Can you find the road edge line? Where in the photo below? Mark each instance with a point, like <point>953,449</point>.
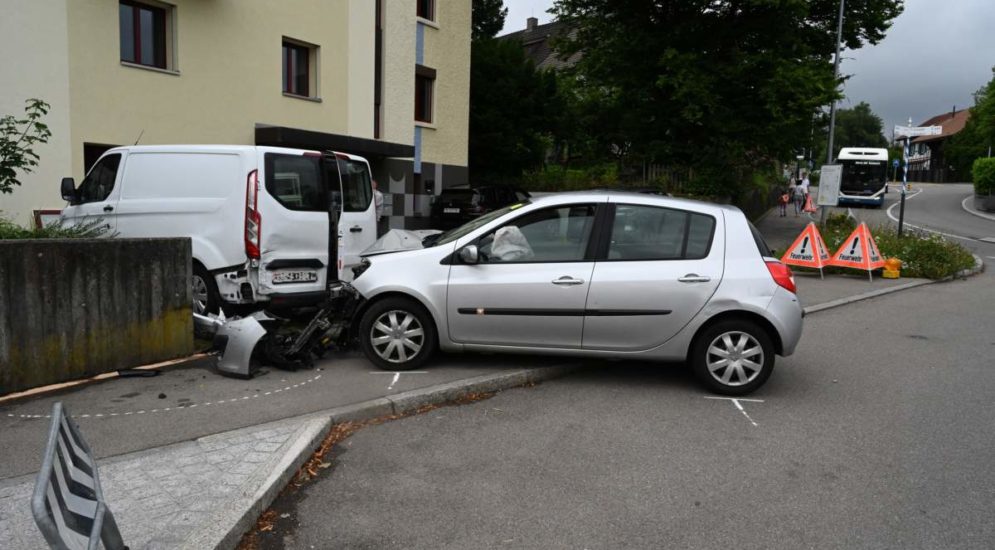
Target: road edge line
<point>973,212</point>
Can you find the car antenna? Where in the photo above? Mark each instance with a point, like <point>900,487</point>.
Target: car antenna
<point>140,134</point>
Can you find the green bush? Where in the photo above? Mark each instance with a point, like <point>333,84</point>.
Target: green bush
<point>984,176</point>
<point>925,255</point>
<point>557,178</point>
<point>89,229</point>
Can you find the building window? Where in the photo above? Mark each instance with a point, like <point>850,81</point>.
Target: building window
<point>424,92</point>
<point>426,9</point>
<point>144,34</point>
<point>300,69</point>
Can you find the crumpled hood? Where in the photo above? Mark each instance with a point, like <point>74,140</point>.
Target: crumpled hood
<point>397,240</point>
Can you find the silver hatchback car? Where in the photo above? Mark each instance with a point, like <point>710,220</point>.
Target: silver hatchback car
<point>594,274</point>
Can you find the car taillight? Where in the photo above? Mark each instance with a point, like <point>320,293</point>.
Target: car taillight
<point>782,275</point>
<point>253,221</point>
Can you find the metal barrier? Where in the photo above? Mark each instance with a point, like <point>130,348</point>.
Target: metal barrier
<point>68,504</point>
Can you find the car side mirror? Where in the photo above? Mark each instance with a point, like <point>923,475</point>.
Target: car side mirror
<point>469,254</point>
<point>68,188</point>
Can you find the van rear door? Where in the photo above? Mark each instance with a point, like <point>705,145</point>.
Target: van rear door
<point>358,225</point>
<point>292,224</point>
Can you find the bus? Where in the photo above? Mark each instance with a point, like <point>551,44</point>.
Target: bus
<point>865,175</point>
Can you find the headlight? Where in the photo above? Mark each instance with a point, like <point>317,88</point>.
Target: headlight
<point>361,268</point>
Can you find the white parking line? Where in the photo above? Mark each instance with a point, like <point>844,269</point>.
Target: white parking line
<point>735,401</point>
<point>397,375</point>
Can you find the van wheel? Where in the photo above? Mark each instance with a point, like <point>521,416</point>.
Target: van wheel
<point>205,292</point>
<point>397,334</point>
<point>733,357</point>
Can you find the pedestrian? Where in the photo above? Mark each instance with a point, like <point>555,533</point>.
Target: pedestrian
<point>378,203</point>
<point>798,196</point>
<point>805,184</point>
<point>783,198</point>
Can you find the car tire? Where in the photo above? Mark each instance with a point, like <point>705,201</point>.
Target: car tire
<point>397,334</point>
<point>733,357</point>
<point>206,299</point>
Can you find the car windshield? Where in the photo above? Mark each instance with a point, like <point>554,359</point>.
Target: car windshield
<point>453,234</point>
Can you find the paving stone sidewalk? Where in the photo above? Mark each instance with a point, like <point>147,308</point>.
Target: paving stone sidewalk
<point>179,496</point>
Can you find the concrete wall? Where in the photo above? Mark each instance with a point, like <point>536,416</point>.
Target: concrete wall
<point>76,308</point>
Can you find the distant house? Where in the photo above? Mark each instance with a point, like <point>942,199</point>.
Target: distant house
<point>926,156</point>
<point>537,40</point>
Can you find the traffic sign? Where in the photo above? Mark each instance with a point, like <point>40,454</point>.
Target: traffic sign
<point>829,184</point>
<point>895,163</point>
<point>913,131</point>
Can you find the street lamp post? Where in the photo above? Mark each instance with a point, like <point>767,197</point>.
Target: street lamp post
<point>832,106</point>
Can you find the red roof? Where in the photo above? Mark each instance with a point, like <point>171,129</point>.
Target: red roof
<point>952,123</point>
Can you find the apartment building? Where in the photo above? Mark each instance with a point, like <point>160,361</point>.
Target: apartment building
<point>385,79</point>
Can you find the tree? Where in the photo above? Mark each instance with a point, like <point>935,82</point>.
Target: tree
<point>488,18</point>
<point>17,139</point>
<point>856,127</point>
<point>720,85</point>
<point>978,135</point>
<point>512,109</point>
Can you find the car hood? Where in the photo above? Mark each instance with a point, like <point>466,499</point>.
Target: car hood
<point>397,240</point>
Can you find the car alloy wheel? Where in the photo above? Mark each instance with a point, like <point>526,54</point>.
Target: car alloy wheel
<point>397,336</point>
<point>201,296</point>
<point>735,358</point>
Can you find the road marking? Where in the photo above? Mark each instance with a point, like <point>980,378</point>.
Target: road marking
<point>168,409</point>
<point>894,219</point>
<point>963,204</point>
<point>397,375</point>
<point>735,401</point>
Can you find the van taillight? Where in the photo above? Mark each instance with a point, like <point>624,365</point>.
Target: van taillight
<point>253,221</point>
<point>782,275</point>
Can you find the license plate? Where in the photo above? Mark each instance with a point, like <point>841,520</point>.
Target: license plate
<point>450,210</point>
<point>284,277</point>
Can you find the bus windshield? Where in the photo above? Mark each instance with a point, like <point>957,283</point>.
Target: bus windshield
<point>863,175</point>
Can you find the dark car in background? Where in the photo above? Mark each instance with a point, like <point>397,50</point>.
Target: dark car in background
<point>461,203</point>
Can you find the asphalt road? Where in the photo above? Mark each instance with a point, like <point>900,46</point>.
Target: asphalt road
<point>878,433</point>
<point>132,414</point>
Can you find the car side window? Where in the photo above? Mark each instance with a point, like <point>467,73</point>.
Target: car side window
<point>558,234</point>
<point>98,184</point>
<point>653,233</point>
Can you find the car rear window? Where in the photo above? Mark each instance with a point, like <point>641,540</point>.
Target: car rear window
<point>761,243</point>
<point>460,195</point>
<point>295,182</point>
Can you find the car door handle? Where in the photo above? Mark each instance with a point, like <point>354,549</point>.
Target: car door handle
<point>356,229</point>
<point>694,278</point>
<point>568,281</point>
<point>108,208</point>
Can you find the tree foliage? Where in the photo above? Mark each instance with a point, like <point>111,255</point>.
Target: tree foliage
<point>513,108</point>
<point>856,127</point>
<point>716,84</point>
<point>978,134</point>
<point>488,18</point>
<point>18,136</point>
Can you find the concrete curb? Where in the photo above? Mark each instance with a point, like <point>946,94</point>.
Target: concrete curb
<point>979,266</point>
<point>972,211</point>
<point>227,530</point>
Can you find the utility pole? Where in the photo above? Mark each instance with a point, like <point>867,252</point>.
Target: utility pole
<point>905,181</point>
<point>832,107</point>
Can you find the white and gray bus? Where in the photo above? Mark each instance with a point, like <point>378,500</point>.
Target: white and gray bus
<point>865,175</point>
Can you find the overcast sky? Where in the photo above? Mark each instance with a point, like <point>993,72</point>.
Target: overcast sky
<point>935,56</point>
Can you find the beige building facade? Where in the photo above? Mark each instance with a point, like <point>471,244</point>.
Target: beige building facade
<point>385,79</point>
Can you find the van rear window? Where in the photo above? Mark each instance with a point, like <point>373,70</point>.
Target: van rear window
<point>357,189</point>
<point>295,182</point>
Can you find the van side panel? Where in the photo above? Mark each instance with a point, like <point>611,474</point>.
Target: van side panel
<point>200,195</point>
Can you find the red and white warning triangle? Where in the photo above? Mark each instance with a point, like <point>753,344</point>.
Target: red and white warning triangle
<point>859,251</point>
<point>808,250</point>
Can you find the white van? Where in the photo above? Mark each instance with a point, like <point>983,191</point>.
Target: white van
<point>258,217</point>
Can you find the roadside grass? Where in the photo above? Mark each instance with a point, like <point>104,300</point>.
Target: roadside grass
<point>923,254</point>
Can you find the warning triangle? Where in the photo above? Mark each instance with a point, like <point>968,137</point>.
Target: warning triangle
<point>808,250</point>
<point>858,251</point>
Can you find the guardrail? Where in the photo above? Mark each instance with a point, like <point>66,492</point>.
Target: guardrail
<point>68,504</point>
